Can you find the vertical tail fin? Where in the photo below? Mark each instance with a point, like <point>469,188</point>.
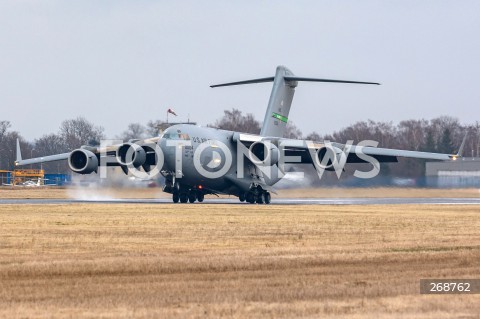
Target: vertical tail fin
<point>276,117</point>
<point>278,108</point>
<point>284,84</point>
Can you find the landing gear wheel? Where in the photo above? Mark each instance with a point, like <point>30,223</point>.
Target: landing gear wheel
<point>259,198</point>
<point>241,197</point>
<point>200,197</point>
<point>192,197</point>
<point>267,198</point>
<point>250,197</point>
<point>175,197</point>
<point>183,197</point>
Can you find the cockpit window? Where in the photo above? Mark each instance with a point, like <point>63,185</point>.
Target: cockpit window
<point>176,136</point>
<point>184,136</point>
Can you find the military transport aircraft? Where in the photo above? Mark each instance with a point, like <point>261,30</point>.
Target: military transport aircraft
<point>196,161</point>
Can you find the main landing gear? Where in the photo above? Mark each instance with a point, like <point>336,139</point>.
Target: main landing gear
<point>188,195</point>
<point>256,195</point>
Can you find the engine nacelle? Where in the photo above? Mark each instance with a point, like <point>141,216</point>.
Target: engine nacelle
<point>131,154</point>
<point>266,152</point>
<point>326,157</point>
<point>83,161</point>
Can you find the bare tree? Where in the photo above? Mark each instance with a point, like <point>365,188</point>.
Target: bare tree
<point>4,126</point>
<point>452,124</point>
<point>292,131</point>
<point>357,132</point>
<point>472,145</point>
<point>134,131</point>
<point>48,145</point>
<point>8,142</point>
<point>77,132</point>
<point>4,145</point>
<point>153,128</point>
<point>234,121</point>
<point>411,134</point>
<point>385,133</point>
<point>314,136</point>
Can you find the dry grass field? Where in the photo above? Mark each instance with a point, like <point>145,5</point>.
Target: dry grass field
<point>80,192</point>
<point>196,261</point>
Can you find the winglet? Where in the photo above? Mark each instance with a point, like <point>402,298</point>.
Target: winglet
<point>19,153</point>
<point>460,150</point>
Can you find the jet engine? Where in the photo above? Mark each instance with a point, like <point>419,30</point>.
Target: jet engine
<point>83,161</point>
<point>131,154</point>
<point>266,152</point>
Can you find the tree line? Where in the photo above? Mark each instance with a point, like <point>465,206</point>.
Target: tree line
<point>72,134</point>
<point>442,134</point>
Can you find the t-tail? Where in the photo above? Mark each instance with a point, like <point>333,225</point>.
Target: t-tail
<point>284,84</point>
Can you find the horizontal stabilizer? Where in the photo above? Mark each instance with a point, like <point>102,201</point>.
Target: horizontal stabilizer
<point>288,79</point>
<point>297,78</point>
<point>262,80</point>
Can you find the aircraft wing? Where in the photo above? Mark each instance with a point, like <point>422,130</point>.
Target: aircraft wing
<point>302,150</point>
<point>108,151</point>
<point>382,155</point>
<point>43,159</point>
<point>374,151</point>
<point>303,155</point>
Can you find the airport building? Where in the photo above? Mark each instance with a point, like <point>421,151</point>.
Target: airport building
<point>464,172</point>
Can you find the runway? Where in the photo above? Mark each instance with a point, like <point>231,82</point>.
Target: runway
<point>275,201</point>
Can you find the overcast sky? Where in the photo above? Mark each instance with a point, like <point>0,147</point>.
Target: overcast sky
<point>117,62</point>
